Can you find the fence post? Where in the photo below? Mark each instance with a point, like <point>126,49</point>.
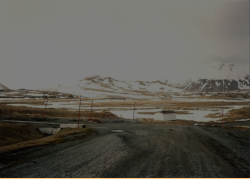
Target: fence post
<point>45,108</point>
<point>90,114</point>
<point>10,114</point>
<point>134,111</point>
<point>79,112</point>
<point>222,125</point>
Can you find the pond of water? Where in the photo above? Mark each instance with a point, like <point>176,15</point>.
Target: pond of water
<point>196,115</point>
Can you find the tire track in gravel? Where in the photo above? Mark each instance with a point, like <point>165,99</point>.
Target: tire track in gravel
<point>82,160</point>
<point>229,162</point>
<point>142,150</point>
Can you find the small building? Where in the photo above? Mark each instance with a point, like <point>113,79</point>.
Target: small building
<point>165,115</point>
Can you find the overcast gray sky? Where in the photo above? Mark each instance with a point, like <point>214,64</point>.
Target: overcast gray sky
<point>51,41</point>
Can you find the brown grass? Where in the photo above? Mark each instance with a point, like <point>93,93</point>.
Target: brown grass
<point>34,140</point>
<point>130,103</point>
<point>36,101</point>
<point>234,114</point>
<point>149,113</point>
<point>28,112</point>
<point>183,112</point>
<point>242,128</point>
<point>180,104</point>
<point>11,133</point>
<point>175,122</point>
<point>152,113</point>
<point>92,89</point>
<point>213,115</point>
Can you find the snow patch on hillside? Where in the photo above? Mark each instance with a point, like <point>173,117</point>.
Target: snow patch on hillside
<point>231,75</point>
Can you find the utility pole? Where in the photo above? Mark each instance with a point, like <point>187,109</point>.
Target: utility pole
<point>134,111</point>
<point>79,111</point>
<point>45,108</point>
<point>222,115</point>
<point>90,114</point>
<point>10,114</point>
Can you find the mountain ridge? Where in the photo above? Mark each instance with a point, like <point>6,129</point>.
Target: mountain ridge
<point>217,77</point>
<point>213,77</point>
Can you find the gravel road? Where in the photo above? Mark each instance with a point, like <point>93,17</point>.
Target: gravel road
<point>138,150</point>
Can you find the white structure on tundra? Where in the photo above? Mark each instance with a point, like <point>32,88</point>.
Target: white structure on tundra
<point>165,115</point>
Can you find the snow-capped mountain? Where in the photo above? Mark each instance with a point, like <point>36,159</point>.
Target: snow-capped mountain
<point>210,77</point>
<point>97,86</point>
<point>215,77</point>
<point>3,88</point>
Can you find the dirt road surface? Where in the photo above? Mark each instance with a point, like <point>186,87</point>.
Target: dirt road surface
<point>138,150</point>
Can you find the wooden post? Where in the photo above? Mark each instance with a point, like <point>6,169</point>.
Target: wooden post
<point>10,114</point>
<point>79,112</point>
<point>45,108</point>
<point>90,114</point>
<point>222,125</point>
<point>222,112</point>
<point>134,111</point>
